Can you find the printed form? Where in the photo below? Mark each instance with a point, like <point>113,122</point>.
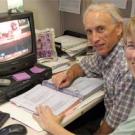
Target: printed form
<point>57,101</point>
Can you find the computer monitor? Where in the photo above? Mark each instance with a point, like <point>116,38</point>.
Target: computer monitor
<point>17,42</point>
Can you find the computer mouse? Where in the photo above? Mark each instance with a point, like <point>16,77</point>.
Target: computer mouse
<point>14,129</point>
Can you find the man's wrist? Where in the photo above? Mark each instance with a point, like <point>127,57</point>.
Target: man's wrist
<point>75,71</point>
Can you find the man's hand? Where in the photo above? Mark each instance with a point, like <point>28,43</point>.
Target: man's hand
<point>62,80</point>
<point>65,79</point>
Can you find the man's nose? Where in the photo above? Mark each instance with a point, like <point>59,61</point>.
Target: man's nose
<point>94,37</point>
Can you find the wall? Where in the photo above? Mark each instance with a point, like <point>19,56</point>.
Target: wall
<point>3,6</point>
<point>46,14</point>
<point>71,21</point>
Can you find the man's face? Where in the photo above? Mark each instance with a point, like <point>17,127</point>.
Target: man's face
<point>102,32</point>
<point>130,53</point>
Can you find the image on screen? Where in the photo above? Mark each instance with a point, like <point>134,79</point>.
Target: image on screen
<point>15,39</point>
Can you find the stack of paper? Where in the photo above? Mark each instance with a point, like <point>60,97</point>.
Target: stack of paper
<point>57,66</point>
<point>69,41</point>
<point>79,49</point>
<point>72,45</point>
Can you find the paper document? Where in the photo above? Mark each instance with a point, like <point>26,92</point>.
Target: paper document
<point>57,66</point>
<point>69,41</point>
<point>72,6</point>
<point>53,64</point>
<point>57,101</point>
<point>18,113</point>
<point>78,49</point>
<point>61,69</point>
<point>60,101</point>
<point>82,87</point>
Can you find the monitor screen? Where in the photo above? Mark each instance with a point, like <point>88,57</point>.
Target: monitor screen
<point>17,43</point>
<point>15,39</point>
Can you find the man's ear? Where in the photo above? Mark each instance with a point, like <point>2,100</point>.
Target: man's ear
<point>119,29</point>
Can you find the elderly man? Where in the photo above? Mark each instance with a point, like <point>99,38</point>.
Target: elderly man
<point>104,28</point>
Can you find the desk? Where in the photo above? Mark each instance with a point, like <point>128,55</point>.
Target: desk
<point>83,107</point>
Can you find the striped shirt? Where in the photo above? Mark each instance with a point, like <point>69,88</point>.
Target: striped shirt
<point>119,83</point>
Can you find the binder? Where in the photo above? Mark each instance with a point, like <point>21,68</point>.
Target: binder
<point>57,101</point>
<point>82,87</point>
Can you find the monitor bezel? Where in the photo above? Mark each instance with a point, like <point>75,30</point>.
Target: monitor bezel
<point>21,63</point>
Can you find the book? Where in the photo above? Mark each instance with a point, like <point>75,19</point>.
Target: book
<point>18,113</point>
<point>57,101</point>
<point>82,87</point>
<point>61,100</point>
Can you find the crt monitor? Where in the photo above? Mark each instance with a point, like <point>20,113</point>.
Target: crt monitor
<point>17,42</point>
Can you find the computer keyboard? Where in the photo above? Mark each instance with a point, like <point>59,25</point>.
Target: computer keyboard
<point>3,118</point>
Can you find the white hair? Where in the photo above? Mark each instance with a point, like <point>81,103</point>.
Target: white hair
<point>109,8</point>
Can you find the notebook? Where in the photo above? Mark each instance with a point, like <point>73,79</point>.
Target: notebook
<point>57,101</point>
<point>82,87</point>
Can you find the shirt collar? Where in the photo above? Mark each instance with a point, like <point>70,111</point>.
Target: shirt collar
<point>113,53</point>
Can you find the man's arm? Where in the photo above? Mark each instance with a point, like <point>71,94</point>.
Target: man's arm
<point>75,71</point>
<point>104,129</point>
<point>64,79</point>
